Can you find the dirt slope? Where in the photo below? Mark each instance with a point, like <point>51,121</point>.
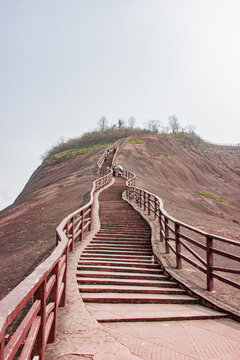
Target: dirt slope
<point>175,173</point>
<point>27,228</point>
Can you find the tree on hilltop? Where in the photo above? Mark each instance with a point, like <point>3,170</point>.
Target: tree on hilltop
<point>120,123</point>
<point>131,122</point>
<point>154,125</point>
<point>103,123</point>
<point>173,124</point>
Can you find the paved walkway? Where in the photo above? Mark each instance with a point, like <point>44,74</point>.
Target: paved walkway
<point>80,336</point>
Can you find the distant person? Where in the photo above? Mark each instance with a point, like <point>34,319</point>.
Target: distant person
<point>114,170</point>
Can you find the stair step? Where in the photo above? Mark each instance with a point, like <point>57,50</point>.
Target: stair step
<point>119,247</point>
<point>121,236</point>
<point>151,312</point>
<point>130,257</point>
<point>118,263</point>
<point>129,289</point>
<point>121,275</point>
<point>127,245</point>
<point>115,241</point>
<point>121,259</point>
<point>122,268</point>
<point>122,230</point>
<point>119,252</point>
<point>126,282</point>
<point>138,298</point>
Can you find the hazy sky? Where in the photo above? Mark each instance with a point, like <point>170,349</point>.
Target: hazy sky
<point>64,64</point>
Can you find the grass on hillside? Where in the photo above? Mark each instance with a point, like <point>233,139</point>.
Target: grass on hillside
<point>136,141</point>
<point>68,154</point>
<point>212,196</point>
<point>92,138</point>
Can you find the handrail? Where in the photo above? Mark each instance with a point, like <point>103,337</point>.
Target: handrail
<point>44,290</point>
<point>177,236</point>
<point>111,147</point>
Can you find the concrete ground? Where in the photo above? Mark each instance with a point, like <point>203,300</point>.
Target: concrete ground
<point>80,336</point>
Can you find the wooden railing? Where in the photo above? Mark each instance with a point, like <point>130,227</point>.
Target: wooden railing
<point>203,251</point>
<point>111,148</point>
<point>28,314</point>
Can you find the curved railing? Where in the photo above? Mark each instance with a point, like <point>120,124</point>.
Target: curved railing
<point>31,307</point>
<point>198,248</point>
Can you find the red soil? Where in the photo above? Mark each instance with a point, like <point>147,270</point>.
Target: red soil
<point>27,228</point>
<point>174,172</point>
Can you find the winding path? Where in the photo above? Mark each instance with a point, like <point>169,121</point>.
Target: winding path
<point>128,292</point>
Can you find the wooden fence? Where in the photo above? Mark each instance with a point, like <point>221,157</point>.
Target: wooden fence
<point>206,252</point>
<point>31,307</point>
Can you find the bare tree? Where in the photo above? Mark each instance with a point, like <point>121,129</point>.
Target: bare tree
<point>191,128</point>
<point>102,123</point>
<point>131,122</point>
<point>173,124</point>
<point>120,123</point>
<point>154,125</point>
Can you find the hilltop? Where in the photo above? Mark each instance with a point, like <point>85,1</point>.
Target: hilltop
<point>198,182</point>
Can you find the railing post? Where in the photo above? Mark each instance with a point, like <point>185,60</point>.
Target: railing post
<point>54,298</point>
<point>155,208</point>
<point>72,233</point>
<point>127,194</point>
<point>149,210</point>
<point>209,259</point>
<point>57,238</point>
<point>40,341</point>
<point>67,229</point>
<point>166,234</point>
<point>62,302</point>
<point>160,224</point>
<point>144,201</point>
<point>140,199</point>
<point>82,224</point>
<point>178,247</point>
<point>2,345</point>
<point>91,216</point>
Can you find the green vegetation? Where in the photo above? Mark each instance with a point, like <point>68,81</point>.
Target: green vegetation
<point>68,154</point>
<point>92,138</point>
<point>163,154</point>
<point>136,141</point>
<point>211,196</point>
<point>188,139</point>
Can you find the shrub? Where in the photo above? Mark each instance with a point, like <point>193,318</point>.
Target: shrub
<point>96,137</point>
<point>212,196</point>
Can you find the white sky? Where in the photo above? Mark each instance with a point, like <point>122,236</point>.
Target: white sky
<point>66,63</point>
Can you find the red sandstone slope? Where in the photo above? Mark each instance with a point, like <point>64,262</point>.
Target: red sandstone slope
<point>27,228</point>
<point>174,172</point>
<point>163,166</point>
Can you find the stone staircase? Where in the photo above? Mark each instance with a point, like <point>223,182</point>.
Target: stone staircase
<point>118,277</point>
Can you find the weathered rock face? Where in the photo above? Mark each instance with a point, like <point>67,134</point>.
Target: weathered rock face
<point>175,173</point>
<point>27,227</point>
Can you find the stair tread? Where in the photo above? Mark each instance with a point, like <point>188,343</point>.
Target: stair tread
<point>100,267</point>
<point>139,296</point>
<point>118,274</point>
<point>127,281</point>
<point>112,259</point>
<point>119,263</point>
<point>129,287</point>
<point>118,312</point>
